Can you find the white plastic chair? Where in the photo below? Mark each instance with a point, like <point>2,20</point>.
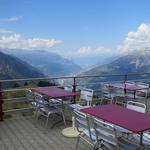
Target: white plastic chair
<point>85,96</point>
<point>108,93</point>
<point>83,127</point>
<point>59,101</point>
<point>68,88</point>
<point>146,139</point>
<point>106,135</point>
<point>144,92</point>
<point>130,94</point>
<point>130,82</point>
<point>140,107</point>
<point>68,99</point>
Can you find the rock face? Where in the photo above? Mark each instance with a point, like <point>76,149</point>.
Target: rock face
<point>14,68</point>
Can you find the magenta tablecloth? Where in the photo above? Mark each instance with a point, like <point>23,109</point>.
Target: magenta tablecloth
<point>123,117</point>
<point>54,92</point>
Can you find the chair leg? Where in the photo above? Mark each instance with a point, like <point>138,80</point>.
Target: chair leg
<point>97,145</point>
<point>36,114</point>
<point>47,121</point>
<point>63,116</point>
<point>78,139</point>
<point>101,101</point>
<point>115,100</point>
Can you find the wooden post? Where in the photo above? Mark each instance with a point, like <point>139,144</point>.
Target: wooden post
<point>1,103</point>
<point>74,89</point>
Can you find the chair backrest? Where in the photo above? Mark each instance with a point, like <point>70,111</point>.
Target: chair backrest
<point>130,82</point>
<point>68,88</point>
<point>140,107</point>
<point>105,89</point>
<point>39,99</point>
<point>82,122</point>
<point>119,92</point>
<point>29,95</point>
<point>105,132</point>
<point>87,95</point>
<point>142,84</point>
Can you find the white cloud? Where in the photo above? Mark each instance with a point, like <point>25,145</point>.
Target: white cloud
<point>38,42</point>
<point>11,19</point>
<point>84,50</point>
<point>139,40</point>
<point>93,51</point>
<point>2,30</point>
<point>17,41</point>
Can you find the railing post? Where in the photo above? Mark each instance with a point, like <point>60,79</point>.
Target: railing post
<point>1,103</point>
<point>125,78</point>
<point>74,89</point>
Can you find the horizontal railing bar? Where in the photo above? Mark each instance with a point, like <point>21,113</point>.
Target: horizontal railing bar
<point>16,89</point>
<point>34,79</point>
<point>21,89</point>
<point>67,77</point>
<point>13,111</point>
<point>14,100</point>
<point>106,75</point>
<point>95,83</point>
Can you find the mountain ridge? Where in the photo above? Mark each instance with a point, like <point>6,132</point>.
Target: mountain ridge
<point>49,63</point>
<point>12,68</point>
<point>134,62</point>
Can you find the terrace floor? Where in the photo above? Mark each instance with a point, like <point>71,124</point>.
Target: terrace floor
<point>26,133</point>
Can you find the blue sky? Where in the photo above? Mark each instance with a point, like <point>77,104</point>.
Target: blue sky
<point>72,26</point>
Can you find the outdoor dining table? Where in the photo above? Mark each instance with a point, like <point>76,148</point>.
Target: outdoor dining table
<point>55,92</point>
<point>127,87</point>
<point>129,119</point>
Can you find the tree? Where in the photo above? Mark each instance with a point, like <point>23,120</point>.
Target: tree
<point>45,83</point>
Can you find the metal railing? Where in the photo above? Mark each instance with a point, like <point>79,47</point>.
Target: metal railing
<point>74,81</point>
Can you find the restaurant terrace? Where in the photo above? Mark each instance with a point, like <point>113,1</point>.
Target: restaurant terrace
<point>76,113</point>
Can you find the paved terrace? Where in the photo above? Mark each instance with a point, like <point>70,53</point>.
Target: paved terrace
<point>26,133</point>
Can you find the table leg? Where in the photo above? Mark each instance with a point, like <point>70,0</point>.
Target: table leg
<point>71,132</point>
<point>141,138</point>
<point>134,94</point>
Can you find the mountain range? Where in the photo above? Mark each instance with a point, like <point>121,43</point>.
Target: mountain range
<point>50,64</point>
<point>135,62</point>
<point>12,68</point>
